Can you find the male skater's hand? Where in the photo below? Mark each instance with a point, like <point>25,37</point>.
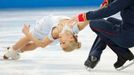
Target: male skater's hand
<point>104,4</point>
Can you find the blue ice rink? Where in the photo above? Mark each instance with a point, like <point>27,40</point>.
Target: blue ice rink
<point>51,60</point>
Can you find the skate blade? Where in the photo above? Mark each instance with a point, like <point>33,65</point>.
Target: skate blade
<point>126,66</point>
<point>4,49</point>
<point>5,57</point>
<point>88,68</point>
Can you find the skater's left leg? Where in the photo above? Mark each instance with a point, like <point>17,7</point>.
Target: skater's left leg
<point>28,47</point>
<point>123,54</point>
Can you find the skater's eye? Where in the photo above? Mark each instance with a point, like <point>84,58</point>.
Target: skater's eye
<point>62,43</point>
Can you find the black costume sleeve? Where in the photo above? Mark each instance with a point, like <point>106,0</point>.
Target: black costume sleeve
<point>114,7</point>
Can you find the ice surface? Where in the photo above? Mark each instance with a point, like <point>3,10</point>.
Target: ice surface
<point>51,60</point>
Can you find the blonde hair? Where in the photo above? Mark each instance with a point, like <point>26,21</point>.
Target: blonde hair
<point>73,44</point>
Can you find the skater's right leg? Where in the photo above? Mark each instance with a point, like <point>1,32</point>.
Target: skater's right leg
<point>13,51</point>
<point>15,54</point>
<point>22,42</point>
<point>95,53</point>
<point>99,45</point>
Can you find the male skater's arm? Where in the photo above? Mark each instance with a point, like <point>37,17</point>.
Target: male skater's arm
<point>113,8</point>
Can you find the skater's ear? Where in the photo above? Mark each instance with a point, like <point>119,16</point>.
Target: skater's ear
<point>79,45</point>
<point>73,44</point>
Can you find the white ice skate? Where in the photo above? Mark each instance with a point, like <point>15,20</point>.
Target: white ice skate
<point>126,65</point>
<point>11,54</point>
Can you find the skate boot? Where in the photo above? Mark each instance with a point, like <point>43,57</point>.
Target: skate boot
<point>91,62</point>
<point>11,54</point>
<point>119,64</point>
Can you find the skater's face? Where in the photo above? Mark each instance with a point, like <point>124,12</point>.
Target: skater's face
<point>65,39</point>
<point>68,41</point>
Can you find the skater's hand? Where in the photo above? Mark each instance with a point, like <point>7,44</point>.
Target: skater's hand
<point>25,29</point>
<point>104,4</point>
<point>72,21</point>
<point>80,18</point>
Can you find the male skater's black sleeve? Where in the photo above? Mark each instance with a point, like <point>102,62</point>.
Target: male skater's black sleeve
<point>113,8</point>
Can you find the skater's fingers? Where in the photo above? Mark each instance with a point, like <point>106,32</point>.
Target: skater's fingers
<point>27,25</point>
<point>25,29</point>
<point>72,21</point>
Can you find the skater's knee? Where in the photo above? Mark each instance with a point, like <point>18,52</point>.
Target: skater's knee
<point>114,21</point>
<point>93,24</point>
<point>97,24</point>
<point>26,38</point>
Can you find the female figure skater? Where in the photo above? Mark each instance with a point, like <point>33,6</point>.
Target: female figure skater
<point>48,29</point>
